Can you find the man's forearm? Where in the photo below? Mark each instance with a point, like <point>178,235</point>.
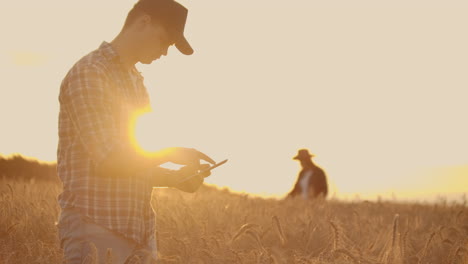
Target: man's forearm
<point>162,177</point>
<point>126,162</point>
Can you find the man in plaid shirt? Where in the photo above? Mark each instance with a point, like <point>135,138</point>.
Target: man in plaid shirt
<point>107,183</point>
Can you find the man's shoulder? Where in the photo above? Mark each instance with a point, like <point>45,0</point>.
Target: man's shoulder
<point>319,171</point>
<point>89,74</point>
<point>94,66</point>
<point>93,61</point>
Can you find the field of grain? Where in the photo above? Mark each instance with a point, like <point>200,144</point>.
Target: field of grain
<point>217,226</point>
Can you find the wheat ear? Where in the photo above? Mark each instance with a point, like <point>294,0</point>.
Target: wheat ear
<point>391,256</point>
<point>426,247</point>
<point>242,230</point>
<point>336,234</point>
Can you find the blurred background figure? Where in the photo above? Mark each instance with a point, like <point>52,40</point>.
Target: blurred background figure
<point>311,182</point>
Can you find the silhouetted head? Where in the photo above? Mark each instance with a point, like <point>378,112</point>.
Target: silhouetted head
<point>155,25</point>
<point>303,154</point>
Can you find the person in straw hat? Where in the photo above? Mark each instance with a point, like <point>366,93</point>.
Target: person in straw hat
<point>312,181</point>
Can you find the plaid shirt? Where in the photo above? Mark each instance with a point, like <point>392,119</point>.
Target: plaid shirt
<point>98,98</point>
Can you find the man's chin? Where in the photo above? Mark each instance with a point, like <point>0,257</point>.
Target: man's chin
<point>148,61</point>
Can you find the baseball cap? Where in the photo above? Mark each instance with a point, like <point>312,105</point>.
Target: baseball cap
<point>172,16</point>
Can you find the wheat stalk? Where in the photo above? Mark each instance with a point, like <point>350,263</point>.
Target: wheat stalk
<point>134,259</point>
<point>453,254</point>
<point>109,256</point>
<point>216,242</point>
<point>92,256</point>
<point>183,245</point>
<point>242,230</point>
<point>208,254</point>
<point>205,244</point>
<point>392,254</point>
<point>275,259</point>
<point>309,238</point>
<point>426,247</point>
<point>348,254</point>
<point>395,230</point>
<point>237,255</point>
<point>456,249</point>
<point>336,234</point>
<point>459,215</point>
<point>360,256</point>
<point>264,232</point>
<point>279,229</point>
<point>11,189</point>
<point>255,237</point>
<point>403,242</point>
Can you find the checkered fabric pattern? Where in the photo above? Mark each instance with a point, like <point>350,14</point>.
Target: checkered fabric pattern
<point>98,99</point>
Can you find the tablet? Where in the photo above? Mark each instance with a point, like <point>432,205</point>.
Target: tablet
<point>203,171</point>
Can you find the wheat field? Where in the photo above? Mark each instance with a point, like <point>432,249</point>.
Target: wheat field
<point>217,226</point>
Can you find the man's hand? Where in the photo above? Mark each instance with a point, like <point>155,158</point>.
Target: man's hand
<point>193,183</point>
<point>186,156</point>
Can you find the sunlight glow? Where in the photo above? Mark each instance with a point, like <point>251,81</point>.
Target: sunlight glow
<point>22,58</point>
<point>132,128</point>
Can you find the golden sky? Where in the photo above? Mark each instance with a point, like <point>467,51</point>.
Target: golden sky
<point>376,89</point>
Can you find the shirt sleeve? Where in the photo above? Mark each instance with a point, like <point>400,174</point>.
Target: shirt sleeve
<point>162,177</point>
<point>89,106</point>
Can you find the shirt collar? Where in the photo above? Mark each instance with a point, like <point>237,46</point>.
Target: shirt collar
<point>109,52</point>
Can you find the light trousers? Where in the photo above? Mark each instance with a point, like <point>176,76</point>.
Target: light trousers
<point>83,242</point>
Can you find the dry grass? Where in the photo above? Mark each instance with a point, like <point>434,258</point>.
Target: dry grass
<point>216,226</point>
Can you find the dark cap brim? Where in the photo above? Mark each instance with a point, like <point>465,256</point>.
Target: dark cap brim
<point>183,46</point>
